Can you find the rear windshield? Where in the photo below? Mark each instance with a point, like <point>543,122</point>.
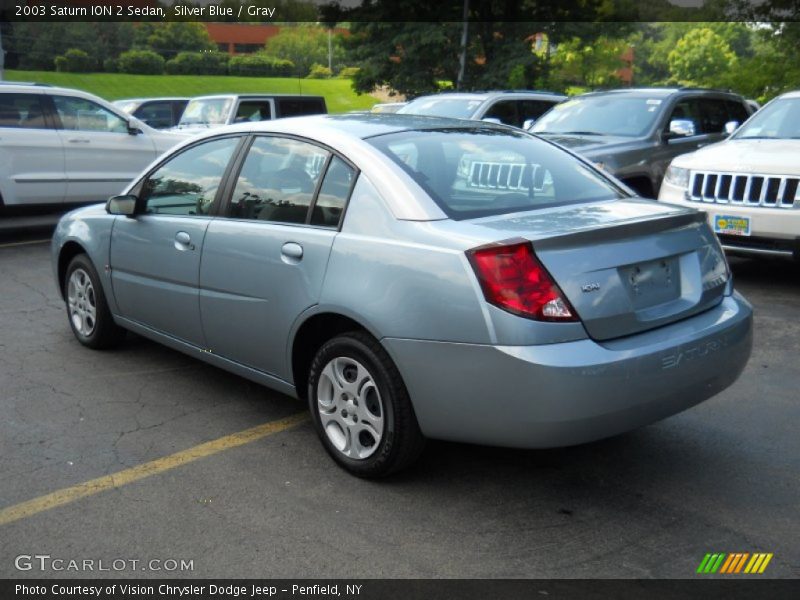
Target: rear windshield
<point>472,173</point>
<point>455,108</point>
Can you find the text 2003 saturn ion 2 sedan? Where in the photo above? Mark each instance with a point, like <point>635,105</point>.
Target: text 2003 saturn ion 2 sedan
<point>412,278</point>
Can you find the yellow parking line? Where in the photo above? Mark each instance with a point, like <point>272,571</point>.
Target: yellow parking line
<point>12,244</point>
<point>115,480</point>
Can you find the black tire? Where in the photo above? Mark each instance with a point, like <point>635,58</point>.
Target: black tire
<point>401,440</point>
<point>101,331</point>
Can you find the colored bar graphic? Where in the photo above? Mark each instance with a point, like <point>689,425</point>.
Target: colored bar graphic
<point>734,562</point>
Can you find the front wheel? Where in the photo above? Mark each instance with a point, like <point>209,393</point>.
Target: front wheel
<point>87,309</point>
<point>361,408</point>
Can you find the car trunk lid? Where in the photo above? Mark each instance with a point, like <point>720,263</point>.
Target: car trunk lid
<point>626,266</point>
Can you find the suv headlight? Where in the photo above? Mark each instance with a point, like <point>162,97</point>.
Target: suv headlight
<point>677,176</point>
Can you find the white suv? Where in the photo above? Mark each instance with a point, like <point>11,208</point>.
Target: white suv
<point>60,146</point>
<point>748,184</point>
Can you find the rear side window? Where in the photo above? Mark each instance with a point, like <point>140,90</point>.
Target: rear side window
<point>479,172</point>
<point>333,194</point>
<point>278,180</point>
<point>22,111</point>
<point>187,183</point>
<point>296,107</point>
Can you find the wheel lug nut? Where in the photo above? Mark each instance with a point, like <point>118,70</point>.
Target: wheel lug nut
<point>344,413</point>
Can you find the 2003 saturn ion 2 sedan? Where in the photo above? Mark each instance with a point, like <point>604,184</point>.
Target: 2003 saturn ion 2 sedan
<point>411,278</point>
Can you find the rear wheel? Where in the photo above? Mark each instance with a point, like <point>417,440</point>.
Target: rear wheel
<point>361,408</point>
<point>87,309</point>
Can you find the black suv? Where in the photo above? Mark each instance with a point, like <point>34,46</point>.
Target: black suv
<point>635,133</point>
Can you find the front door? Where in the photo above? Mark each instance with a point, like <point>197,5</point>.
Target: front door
<point>101,156</point>
<point>155,256</point>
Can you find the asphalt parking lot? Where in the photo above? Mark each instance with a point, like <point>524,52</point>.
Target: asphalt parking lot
<point>722,477</point>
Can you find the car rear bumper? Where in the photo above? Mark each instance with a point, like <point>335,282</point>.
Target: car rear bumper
<point>573,392</point>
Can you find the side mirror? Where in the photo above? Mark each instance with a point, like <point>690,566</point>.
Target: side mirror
<point>731,126</point>
<point>122,205</point>
<point>682,128</point>
<point>133,127</point>
<point>528,123</point>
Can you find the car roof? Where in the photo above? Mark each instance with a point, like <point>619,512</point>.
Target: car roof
<point>247,96</point>
<point>792,94</point>
<point>158,99</point>
<point>656,91</point>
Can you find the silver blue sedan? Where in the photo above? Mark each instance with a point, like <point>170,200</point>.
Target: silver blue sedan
<point>413,278</point>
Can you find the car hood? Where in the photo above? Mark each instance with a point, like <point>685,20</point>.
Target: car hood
<point>587,144</point>
<point>771,157</point>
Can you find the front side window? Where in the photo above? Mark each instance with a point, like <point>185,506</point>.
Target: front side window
<point>479,172</point>
<point>79,114</point>
<point>715,115</point>
<point>253,110</point>
<point>505,112</point>
<point>187,184</point>
<point>22,111</point>
<point>278,180</point>
<point>688,110</point>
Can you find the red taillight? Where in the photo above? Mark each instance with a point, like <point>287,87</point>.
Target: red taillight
<point>513,279</point>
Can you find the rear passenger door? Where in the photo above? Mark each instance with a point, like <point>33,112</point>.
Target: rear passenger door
<point>264,259</point>
<point>31,152</point>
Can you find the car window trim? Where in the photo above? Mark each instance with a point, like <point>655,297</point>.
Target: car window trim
<point>236,169</point>
<point>136,189</point>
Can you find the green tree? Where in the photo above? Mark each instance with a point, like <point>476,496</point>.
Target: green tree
<point>701,57</point>
<point>170,38</point>
<point>591,65</point>
<point>305,46</point>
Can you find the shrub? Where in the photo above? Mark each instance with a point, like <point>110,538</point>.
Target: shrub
<point>198,63</point>
<point>260,65</point>
<point>141,62</point>
<point>348,72</point>
<point>319,72</point>
<point>74,61</point>
<point>111,65</point>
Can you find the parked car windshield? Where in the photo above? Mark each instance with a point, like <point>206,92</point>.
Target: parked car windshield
<point>455,108</point>
<point>128,105</point>
<point>611,114</point>
<point>207,111</point>
<point>479,172</point>
<point>779,119</point>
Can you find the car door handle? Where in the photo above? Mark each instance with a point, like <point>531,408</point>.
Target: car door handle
<point>78,140</point>
<point>183,241</point>
<point>292,251</point>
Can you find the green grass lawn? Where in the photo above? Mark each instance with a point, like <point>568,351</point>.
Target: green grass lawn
<point>338,93</point>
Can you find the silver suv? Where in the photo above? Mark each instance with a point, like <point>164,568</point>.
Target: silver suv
<point>635,133</point>
<point>515,108</point>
